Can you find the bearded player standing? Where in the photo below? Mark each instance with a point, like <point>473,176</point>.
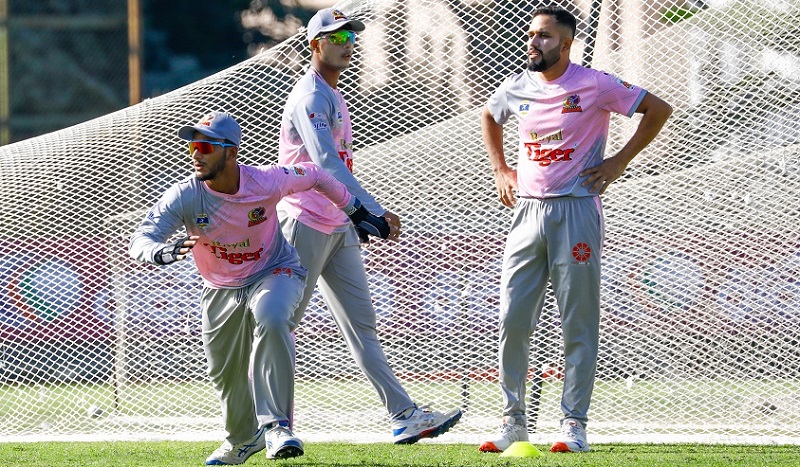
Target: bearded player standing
<point>557,229</point>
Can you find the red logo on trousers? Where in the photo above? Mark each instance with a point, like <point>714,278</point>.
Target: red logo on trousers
<point>581,252</point>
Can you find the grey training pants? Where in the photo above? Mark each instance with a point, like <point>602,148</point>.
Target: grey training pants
<point>557,239</point>
<point>249,346</point>
<point>334,262</point>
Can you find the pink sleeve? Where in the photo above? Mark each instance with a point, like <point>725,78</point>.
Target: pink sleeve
<point>328,185</point>
<point>618,95</point>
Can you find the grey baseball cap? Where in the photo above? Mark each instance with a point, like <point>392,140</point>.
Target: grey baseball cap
<point>220,125</point>
<point>331,19</point>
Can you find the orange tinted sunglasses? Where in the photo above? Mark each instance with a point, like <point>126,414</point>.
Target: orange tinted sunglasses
<point>205,146</point>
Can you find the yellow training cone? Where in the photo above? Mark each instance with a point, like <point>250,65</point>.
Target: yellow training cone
<point>521,449</point>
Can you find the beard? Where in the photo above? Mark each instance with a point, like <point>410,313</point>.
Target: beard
<point>214,170</point>
<point>546,61</point>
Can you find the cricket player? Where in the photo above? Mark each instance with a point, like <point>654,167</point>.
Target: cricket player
<point>556,233</point>
<point>253,280</point>
<point>316,127</point>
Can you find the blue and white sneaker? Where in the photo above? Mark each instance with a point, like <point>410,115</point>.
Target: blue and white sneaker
<point>573,437</point>
<point>423,423</point>
<point>282,443</point>
<point>235,454</point>
<point>511,430</point>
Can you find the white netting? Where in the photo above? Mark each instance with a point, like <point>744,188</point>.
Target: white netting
<point>701,296</point>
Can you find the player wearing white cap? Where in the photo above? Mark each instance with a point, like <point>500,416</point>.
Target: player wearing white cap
<point>253,280</point>
<point>556,233</point>
<point>316,127</point>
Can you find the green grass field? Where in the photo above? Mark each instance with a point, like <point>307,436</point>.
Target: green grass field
<point>63,407</point>
<point>166,454</point>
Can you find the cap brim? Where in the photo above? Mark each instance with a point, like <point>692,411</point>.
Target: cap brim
<point>187,133</point>
<point>351,24</point>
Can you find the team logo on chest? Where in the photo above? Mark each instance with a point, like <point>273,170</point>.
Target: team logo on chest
<point>202,220</point>
<point>256,216</point>
<point>524,108</point>
<point>572,104</point>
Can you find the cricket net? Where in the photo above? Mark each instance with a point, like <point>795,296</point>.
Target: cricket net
<point>701,297</point>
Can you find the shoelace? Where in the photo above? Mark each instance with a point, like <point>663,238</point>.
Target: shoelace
<point>282,432</point>
<point>570,430</point>
<point>425,409</point>
<point>507,428</point>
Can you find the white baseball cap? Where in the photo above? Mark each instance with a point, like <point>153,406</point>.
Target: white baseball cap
<point>220,125</point>
<point>331,19</point>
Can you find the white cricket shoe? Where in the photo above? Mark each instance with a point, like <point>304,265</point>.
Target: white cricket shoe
<point>282,443</point>
<point>511,430</point>
<point>235,454</point>
<point>573,437</point>
<point>423,423</point>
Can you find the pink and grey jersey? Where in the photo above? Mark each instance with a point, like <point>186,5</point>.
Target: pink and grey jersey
<point>316,128</point>
<point>239,234</point>
<point>563,125</point>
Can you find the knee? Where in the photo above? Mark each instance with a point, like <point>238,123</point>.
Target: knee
<point>274,320</point>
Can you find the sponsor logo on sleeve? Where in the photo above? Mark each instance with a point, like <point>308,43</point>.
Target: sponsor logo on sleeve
<point>625,83</point>
<point>318,122</point>
<point>620,81</point>
<point>294,170</point>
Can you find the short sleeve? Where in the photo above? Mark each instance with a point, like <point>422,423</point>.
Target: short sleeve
<point>498,103</point>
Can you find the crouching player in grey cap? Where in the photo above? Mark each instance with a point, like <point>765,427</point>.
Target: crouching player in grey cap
<point>316,128</point>
<point>253,280</point>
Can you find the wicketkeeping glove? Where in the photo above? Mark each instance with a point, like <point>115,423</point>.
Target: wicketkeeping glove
<point>364,220</point>
<point>363,235</point>
<point>171,252</point>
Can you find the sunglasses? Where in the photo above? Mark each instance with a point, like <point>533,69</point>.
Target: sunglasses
<point>206,147</point>
<point>340,37</point>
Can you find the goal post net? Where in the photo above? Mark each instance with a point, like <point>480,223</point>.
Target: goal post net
<point>700,324</point>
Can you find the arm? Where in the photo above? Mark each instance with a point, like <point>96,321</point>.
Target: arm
<point>322,150</point>
<point>321,146</point>
<point>147,242</point>
<point>338,194</point>
<point>655,113</point>
<point>505,178</point>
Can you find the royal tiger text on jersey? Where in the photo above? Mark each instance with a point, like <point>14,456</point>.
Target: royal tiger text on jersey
<point>547,156</point>
<point>222,253</point>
